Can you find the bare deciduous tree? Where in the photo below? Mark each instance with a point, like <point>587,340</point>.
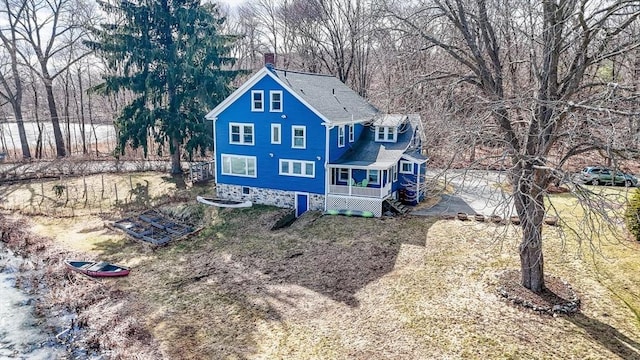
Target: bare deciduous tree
<point>533,66</point>
<point>11,81</point>
<point>52,30</point>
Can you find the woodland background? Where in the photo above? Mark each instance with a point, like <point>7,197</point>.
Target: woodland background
<point>377,47</point>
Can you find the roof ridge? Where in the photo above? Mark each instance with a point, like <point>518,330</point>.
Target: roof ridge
<point>303,72</point>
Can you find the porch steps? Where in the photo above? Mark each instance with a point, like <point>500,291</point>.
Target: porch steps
<point>397,206</point>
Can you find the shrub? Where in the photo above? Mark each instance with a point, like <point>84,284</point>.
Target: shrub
<point>632,214</point>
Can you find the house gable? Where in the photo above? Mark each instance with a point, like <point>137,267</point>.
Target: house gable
<point>290,160</point>
<point>250,84</point>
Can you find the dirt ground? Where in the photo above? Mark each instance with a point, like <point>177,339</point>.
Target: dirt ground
<point>328,287</point>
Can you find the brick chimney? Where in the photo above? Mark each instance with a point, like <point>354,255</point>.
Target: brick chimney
<point>269,60</point>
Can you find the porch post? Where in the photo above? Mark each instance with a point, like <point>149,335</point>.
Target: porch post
<point>349,180</point>
<point>418,184</point>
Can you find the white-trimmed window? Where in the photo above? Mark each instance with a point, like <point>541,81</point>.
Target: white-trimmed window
<point>406,167</point>
<point>297,168</point>
<point>241,134</point>
<point>276,100</point>
<point>373,176</point>
<point>341,136</point>
<point>299,137</point>
<point>238,165</point>
<point>352,133</point>
<point>394,172</point>
<point>257,100</point>
<point>343,174</point>
<point>276,134</point>
<point>386,133</point>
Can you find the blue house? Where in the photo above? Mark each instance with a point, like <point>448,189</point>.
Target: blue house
<point>309,142</point>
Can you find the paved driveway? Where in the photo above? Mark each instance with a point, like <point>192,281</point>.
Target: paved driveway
<point>475,192</point>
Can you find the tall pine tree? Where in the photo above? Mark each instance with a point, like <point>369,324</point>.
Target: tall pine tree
<point>171,56</point>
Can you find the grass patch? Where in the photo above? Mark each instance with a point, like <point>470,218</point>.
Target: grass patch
<point>337,287</point>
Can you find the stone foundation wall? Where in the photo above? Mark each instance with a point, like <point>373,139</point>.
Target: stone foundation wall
<point>279,198</point>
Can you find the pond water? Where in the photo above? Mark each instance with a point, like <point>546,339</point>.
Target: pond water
<point>20,336</point>
<point>10,139</point>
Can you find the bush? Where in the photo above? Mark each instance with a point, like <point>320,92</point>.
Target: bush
<point>632,214</point>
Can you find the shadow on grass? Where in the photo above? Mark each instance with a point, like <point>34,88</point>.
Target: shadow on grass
<point>119,249</point>
<point>334,256</point>
<point>177,180</point>
<point>608,336</point>
<point>216,287</point>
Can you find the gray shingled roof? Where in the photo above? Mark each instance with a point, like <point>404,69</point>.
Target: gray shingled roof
<point>389,119</point>
<point>328,95</point>
<point>367,152</point>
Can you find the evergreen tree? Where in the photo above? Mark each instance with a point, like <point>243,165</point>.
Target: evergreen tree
<point>171,56</point>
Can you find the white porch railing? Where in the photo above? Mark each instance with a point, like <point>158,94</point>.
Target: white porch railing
<point>360,191</point>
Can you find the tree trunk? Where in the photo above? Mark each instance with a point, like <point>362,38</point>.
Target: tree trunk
<point>24,142</point>
<point>67,120</point>
<point>529,202</point>
<point>90,110</point>
<point>83,133</point>
<point>176,168</point>
<point>55,121</point>
<point>36,114</point>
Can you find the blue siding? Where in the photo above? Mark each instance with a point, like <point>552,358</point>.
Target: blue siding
<point>334,151</point>
<point>420,169</point>
<point>423,173</point>
<point>398,183</point>
<point>295,113</point>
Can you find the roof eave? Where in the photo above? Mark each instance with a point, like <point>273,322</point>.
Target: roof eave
<point>212,115</point>
<point>414,159</point>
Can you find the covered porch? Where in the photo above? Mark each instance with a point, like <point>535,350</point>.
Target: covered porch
<point>359,181</point>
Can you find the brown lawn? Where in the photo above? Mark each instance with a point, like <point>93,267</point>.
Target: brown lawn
<point>332,287</point>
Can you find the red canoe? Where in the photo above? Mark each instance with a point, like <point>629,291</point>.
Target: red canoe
<point>96,269</point>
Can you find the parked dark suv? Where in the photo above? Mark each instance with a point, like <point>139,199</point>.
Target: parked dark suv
<point>597,175</point>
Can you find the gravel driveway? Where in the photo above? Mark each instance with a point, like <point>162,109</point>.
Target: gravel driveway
<point>475,192</point>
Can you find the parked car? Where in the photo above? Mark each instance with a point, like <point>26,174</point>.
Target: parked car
<point>599,175</point>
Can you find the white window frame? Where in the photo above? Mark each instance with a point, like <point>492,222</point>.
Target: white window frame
<point>343,171</point>
<point>386,131</point>
<point>378,128</point>
<point>391,132</point>
<point>303,168</point>
<point>293,136</point>
<point>242,126</point>
<point>352,133</point>
<point>231,157</point>
<point>271,102</point>
<point>377,182</point>
<point>394,172</point>
<point>341,136</point>
<point>254,102</point>
<point>276,129</point>
<point>402,164</point>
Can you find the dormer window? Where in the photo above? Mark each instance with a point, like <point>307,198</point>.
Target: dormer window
<point>386,133</point>
<point>257,100</point>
